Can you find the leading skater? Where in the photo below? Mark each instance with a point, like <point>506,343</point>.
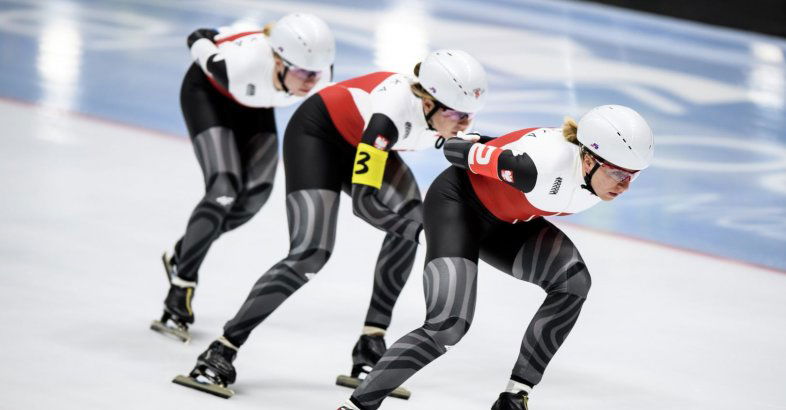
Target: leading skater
<point>346,138</point>
<point>493,211</point>
<point>227,98</point>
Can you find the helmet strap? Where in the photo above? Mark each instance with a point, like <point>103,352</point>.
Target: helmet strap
<point>437,105</point>
<point>281,76</point>
<point>588,179</point>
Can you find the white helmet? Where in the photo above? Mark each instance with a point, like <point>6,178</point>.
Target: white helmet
<point>304,40</point>
<point>618,135</point>
<point>455,79</point>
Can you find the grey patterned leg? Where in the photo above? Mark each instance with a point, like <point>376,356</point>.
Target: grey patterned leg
<point>401,194</point>
<point>218,156</point>
<point>259,171</point>
<point>550,260</point>
<point>312,217</point>
<point>450,286</point>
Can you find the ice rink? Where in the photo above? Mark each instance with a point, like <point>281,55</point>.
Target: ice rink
<point>688,304</point>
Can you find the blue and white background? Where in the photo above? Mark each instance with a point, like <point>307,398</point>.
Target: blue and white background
<point>88,87</point>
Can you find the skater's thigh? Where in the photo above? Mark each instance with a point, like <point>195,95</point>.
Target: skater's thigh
<point>311,162</point>
<point>452,227</point>
<point>537,252</point>
<point>399,190</point>
<point>203,107</point>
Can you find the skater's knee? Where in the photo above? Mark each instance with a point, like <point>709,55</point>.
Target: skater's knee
<point>309,261</point>
<point>223,189</point>
<point>575,280</point>
<point>255,197</point>
<point>448,332</point>
<point>413,209</point>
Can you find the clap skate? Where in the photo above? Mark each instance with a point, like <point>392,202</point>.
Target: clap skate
<point>213,372</point>
<point>511,401</point>
<point>366,353</point>
<point>177,305</point>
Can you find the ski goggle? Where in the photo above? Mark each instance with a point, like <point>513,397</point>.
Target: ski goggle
<point>301,73</point>
<point>616,173</point>
<point>454,115</point>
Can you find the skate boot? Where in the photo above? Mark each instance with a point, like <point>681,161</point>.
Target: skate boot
<point>365,355</point>
<point>177,311</point>
<point>511,401</point>
<point>213,371</point>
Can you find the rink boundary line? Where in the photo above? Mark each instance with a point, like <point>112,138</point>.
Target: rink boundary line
<point>92,117</point>
<point>183,138</point>
<point>677,248</point>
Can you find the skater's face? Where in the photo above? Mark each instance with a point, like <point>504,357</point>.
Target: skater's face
<point>608,181</point>
<point>447,122</point>
<point>298,81</point>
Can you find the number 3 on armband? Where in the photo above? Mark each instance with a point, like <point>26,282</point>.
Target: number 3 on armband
<point>363,157</point>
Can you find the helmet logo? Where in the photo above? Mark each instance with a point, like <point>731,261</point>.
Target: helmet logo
<point>432,89</point>
<point>478,92</point>
<point>595,145</point>
<point>280,49</point>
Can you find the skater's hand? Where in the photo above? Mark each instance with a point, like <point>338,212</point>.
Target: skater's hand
<point>471,137</point>
<point>207,33</point>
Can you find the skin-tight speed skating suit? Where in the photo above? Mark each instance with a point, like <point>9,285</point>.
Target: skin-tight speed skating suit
<point>346,138</point>
<point>490,205</point>
<point>227,99</point>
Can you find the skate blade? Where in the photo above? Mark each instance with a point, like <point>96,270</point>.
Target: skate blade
<point>208,388</point>
<point>354,382</point>
<point>179,334</point>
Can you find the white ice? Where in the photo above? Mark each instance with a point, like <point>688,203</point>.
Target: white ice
<point>88,206</point>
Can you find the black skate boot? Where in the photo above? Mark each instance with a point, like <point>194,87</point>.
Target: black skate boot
<point>177,311</point>
<point>213,371</point>
<point>365,355</point>
<point>511,401</point>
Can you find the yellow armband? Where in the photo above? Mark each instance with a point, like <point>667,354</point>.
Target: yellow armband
<point>369,166</point>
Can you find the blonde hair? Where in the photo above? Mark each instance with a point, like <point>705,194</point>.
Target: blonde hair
<point>267,28</point>
<point>569,130</point>
<point>418,89</point>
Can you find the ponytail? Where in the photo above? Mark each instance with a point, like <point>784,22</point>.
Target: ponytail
<point>267,28</point>
<point>570,129</point>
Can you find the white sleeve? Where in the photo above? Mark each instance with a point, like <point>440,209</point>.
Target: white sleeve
<point>201,51</point>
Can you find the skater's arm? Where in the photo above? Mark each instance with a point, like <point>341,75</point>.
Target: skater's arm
<point>367,176</point>
<point>514,168</point>
<point>205,53</point>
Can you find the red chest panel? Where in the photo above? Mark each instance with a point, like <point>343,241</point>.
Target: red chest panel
<point>502,200</point>
<point>341,106</point>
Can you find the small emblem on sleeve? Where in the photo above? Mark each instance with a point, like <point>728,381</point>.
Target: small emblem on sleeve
<point>251,89</point>
<point>407,129</point>
<point>506,175</point>
<point>381,142</point>
<point>555,186</point>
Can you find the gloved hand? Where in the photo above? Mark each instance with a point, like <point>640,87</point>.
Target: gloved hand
<point>471,137</point>
<point>201,33</point>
